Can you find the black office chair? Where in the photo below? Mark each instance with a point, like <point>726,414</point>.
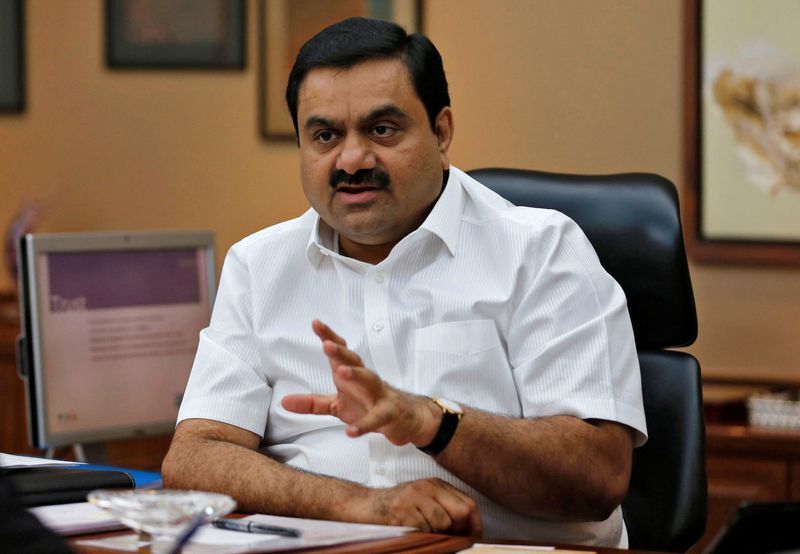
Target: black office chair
<point>633,222</point>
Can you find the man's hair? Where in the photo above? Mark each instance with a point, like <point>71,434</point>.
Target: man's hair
<point>358,39</point>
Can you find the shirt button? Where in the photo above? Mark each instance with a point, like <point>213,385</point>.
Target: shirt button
<point>381,471</point>
<point>377,326</point>
<point>379,278</point>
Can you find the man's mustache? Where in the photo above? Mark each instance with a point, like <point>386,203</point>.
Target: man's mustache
<point>373,176</point>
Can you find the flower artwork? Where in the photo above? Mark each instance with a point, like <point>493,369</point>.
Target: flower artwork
<point>758,95</point>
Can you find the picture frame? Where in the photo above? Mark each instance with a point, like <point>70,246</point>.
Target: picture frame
<point>742,132</point>
<point>284,25</point>
<point>12,56</point>
<point>178,34</point>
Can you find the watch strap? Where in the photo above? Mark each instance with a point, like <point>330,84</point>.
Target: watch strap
<point>447,428</point>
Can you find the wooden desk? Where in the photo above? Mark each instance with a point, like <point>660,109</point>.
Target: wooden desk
<point>748,463</point>
<point>419,543</point>
<point>745,463</point>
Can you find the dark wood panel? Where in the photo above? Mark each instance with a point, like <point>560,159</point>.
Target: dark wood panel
<point>748,440</point>
<point>747,478</point>
<point>143,453</point>
<point>794,481</point>
<point>14,431</point>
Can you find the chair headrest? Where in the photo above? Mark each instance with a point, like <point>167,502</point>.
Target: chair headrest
<point>633,222</point>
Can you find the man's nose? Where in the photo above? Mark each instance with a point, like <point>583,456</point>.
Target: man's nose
<point>356,154</point>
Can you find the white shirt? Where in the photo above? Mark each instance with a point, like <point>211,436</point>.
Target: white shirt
<point>501,308</point>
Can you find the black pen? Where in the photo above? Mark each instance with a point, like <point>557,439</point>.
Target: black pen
<point>253,527</point>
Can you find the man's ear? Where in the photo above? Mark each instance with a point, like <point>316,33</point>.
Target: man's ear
<point>444,134</point>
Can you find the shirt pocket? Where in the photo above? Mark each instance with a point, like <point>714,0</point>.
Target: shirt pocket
<point>466,362</point>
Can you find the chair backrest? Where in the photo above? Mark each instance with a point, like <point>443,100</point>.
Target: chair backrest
<point>633,222</point>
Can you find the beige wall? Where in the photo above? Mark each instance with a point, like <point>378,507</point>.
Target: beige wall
<point>564,85</point>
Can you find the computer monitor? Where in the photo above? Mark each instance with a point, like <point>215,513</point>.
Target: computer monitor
<point>110,325</point>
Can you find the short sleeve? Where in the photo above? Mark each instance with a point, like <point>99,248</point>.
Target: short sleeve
<point>227,383</point>
<point>570,342</point>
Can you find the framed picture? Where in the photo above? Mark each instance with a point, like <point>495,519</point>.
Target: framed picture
<point>286,24</point>
<point>12,74</point>
<point>742,197</point>
<point>199,34</point>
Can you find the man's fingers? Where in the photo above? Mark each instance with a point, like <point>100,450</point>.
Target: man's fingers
<point>318,404</point>
<point>429,505</point>
<point>340,354</point>
<point>461,509</point>
<point>436,517</point>
<point>362,377</point>
<point>475,524</point>
<point>464,514</point>
<point>363,400</point>
<point>354,397</point>
<point>374,419</point>
<point>369,405</point>
<point>421,522</point>
<point>446,509</point>
<point>457,515</point>
<point>334,346</point>
<point>326,333</point>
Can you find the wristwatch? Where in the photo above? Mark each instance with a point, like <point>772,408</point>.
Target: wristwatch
<point>451,415</point>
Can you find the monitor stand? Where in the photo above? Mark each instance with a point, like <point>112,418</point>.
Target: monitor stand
<point>96,451</point>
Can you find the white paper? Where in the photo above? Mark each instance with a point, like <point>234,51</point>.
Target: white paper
<point>212,540</point>
<point>12,461</point>
<point>314,533</point>
<point>76,518</point>
<point>212,536</point>
<point>504,548</point>
<point>121,543</point>
<point>321,530</point>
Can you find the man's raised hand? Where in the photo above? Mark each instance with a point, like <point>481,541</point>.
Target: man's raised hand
<point>364,401</point>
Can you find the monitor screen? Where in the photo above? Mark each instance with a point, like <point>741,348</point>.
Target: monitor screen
<point>111,323</point>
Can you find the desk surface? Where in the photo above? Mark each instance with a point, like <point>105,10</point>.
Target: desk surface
<point>420,543</point>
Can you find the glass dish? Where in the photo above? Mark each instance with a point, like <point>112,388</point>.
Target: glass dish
<point>161,515</point>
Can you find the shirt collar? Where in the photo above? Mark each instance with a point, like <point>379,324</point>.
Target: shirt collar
<point>444,221</point>
<point>320,241</point>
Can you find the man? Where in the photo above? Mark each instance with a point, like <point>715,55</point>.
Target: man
<point>488,382</point>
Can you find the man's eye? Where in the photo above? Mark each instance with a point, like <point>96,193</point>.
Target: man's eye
<point>383,131</point>
<point>324,136</point>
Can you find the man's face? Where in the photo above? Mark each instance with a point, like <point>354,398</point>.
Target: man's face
<point>370,164</point>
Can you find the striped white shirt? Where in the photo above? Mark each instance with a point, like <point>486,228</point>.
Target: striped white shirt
<point>502,308</point>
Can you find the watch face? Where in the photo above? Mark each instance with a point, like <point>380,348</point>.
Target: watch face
<point>449,405</point>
